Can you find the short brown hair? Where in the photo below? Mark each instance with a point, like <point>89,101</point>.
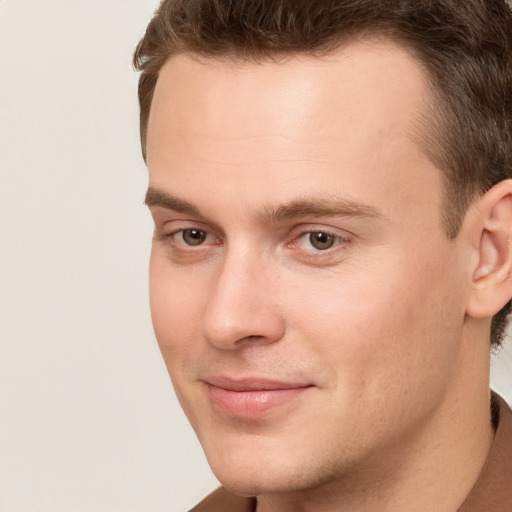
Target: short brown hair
<point>465,46</point>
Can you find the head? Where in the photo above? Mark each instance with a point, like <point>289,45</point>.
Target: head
<point>463,47</point>
<point>319,177</point>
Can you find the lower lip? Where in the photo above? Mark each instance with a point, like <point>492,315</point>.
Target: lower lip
<point>254,403</point>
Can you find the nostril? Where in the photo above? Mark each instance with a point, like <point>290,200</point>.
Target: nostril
<point>252,337</point>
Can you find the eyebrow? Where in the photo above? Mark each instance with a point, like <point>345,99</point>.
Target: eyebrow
<point>155,197</point>
<point>330,207</point>
<point>297,209</point>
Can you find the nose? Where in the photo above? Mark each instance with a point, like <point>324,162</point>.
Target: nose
<point>243,306</point>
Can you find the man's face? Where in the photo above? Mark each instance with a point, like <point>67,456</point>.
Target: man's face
<point>305,297</point>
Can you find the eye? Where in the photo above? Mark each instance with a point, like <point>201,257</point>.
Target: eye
<point>318,241</point>
<point>193,237</point>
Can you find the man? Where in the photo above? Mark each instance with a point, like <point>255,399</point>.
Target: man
<point>331,189</point>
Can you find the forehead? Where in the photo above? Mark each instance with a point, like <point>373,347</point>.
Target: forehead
<point>358,82</point>
<point>349,116</point>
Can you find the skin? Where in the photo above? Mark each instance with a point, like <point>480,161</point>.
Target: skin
<point>385,327</point>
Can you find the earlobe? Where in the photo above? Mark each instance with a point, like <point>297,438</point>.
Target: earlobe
<point>492,277</point>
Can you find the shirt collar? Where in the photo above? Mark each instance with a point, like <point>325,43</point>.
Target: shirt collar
<point>493,489</point>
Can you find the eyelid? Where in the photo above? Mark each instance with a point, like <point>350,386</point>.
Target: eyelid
<point>170,227</point>
<point>323,257</point>
<point>169,230</point>
<point>307,229</point>
<point>337,240</point>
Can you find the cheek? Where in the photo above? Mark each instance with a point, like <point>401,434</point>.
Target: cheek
<point>176,307</point>
<point>356,331</point>
<point>378,331</point>
<point>176,313</point>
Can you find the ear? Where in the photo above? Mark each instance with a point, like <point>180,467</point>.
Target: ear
<point>492,277</point>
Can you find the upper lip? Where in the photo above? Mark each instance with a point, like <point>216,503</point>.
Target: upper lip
<point>252,384</point>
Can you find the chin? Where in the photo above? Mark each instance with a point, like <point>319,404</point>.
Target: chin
<point>250,468</point>
<point>260,468</point>
<point>282,480</point>
<point>262,481</point>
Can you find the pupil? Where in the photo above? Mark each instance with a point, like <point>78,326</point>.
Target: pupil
<point>194,236</point>
<point>321,240</point>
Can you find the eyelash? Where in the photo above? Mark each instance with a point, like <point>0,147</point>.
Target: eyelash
<point>169,238</point>
<point>336,239</point>
<point>180,247</point>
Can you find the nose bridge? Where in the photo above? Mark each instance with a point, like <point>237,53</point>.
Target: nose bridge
<point>243,302</point>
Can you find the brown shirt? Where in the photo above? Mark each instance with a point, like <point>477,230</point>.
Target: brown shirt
<point>491,493</point>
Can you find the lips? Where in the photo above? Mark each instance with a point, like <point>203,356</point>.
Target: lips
<point>252,398</point>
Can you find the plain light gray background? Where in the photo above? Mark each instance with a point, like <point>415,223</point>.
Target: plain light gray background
<point>88,419</point>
